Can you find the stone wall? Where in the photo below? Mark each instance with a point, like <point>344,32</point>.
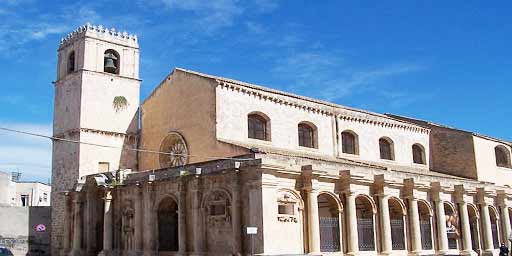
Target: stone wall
<point>452,152</point>
<point>183,103</point>
<point>19,234</point>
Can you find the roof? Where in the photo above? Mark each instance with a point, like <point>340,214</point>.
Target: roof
<point>428,124</point>
<point>335,107</point>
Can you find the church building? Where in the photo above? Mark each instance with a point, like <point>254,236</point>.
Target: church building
<point>208,165</point>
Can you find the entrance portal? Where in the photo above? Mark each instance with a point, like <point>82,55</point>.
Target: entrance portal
<point>168,225</point>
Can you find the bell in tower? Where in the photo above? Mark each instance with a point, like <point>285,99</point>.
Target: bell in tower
<point>111,62</point>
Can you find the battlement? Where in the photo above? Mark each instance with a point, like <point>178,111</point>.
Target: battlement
<point>100,32</point>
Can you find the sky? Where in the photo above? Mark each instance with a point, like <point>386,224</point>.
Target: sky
<point>444,61</point>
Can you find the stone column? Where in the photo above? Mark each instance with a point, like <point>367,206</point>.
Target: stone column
<point>139,212</point>
<point>90,231</point>
<point>107,224</point>
<point>414,220</point>
<point>385,225</point>
<point>67,223</point>
<point>197,218</point>
<point>442,236</point>
<point>467,246</point>
<point>486,227</point>
<point>148,221</point>
<point>77,226</point>
<point>313,221</point>
<point>182,218</point>
<point>505,224</point>
<point>352,238</point>
<point>235,216</point>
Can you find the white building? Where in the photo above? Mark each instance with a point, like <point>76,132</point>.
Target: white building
<point>23,193</point>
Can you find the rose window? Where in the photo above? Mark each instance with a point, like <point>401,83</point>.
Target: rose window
<point>176,148</point>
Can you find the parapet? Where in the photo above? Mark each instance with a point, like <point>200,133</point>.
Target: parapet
<point>102,33</point>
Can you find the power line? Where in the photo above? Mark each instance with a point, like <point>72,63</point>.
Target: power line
<point>116,147</point>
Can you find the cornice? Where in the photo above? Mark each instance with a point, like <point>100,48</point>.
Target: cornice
<point>75,131</point>
<point>319,108</point>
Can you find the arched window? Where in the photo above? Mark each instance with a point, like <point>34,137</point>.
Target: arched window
<point>386,149</point>
<point>307,135</point>
<point>258,127</point>
<point>418,154</point>
<point>349,143</point>
<point>71,62</point>
<point>502,156</point>
<point>111,62</point>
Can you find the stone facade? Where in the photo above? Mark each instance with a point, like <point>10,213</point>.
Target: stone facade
<point>217,156</point>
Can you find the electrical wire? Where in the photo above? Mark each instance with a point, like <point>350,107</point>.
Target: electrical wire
<point>117,147</point>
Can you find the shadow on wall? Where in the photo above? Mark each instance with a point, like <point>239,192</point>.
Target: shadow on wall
<point>26,231</point>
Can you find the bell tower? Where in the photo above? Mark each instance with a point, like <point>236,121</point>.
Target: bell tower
<point>96,101</point>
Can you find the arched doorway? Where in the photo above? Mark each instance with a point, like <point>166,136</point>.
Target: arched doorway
<point>474,227</point>
<point>365,223</point>
<point>425,225</point>
<point>329,218</point>
<point>168,225</point>
<point>452,226</point>
<point>494,227</point>
<point>396,217</point>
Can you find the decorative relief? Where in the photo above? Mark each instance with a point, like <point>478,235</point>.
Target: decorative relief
<point>287,219</point>
<point>173,144</point>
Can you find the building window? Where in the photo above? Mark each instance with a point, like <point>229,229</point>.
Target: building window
<point>418,154</point>
<point>307,135</point>
<point>349,143</point>
<point>217,209</point>
<point>258,127</point>
<point>71,62</point>
<point>286,208</point>
<point>25,200</point>
<point>111,62</point>
<point>502,156</point>
<point>103,167</point>
<point>386,149</point>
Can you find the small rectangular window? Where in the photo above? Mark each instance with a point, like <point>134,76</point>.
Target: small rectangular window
<point>287,209</point>
<point>103,167</point>
<point>217,210</point>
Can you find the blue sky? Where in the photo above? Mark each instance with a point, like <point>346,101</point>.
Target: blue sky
<point>445,61</point>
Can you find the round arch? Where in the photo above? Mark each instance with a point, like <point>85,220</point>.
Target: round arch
<point>167,212</point>
<point>162,197</point>
<point>427,206</point>
<point>370,200</point>
<point>334,197</point>
<point>400,202</point>
<point>211,194</point>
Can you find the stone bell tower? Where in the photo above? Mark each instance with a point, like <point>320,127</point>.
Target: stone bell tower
<point>96,101</point>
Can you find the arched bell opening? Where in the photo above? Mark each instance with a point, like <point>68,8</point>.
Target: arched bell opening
<point>425,215</point>
<point>494,227</point>
<point>452,226</point>
<point>365,213</point>
<point>168,225</point>
<point>396,218</point>
<point>329,222</point>
<point>111,62</point>
<point>474,227</point>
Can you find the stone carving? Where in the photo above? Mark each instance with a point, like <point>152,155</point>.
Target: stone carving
<point>287,219</point>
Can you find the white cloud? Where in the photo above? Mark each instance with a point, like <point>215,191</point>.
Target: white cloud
<point>337,78</point>
<point>267,5</point>
<point>27,154</point>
